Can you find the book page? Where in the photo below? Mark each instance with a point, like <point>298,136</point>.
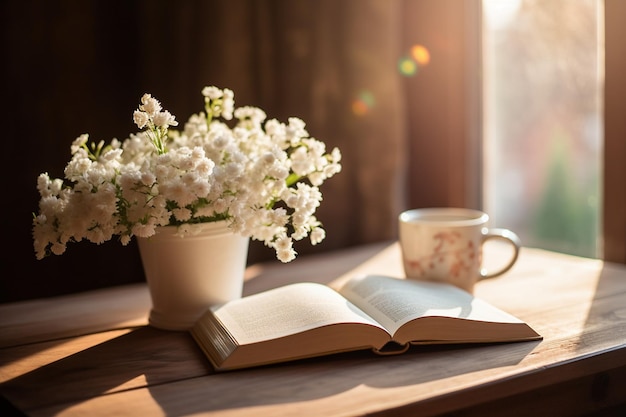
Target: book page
<point>394,301</point>
<point>287,310</point>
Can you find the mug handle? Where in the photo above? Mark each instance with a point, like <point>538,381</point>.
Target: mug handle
<point>507,236</point>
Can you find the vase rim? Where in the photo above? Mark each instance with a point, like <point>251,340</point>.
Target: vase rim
<point>217,228</point>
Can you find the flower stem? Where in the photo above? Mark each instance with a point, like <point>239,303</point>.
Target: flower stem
<point>292,179</point>
<point>157,136</point>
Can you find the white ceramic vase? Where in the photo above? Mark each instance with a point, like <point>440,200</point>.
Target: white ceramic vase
<point>186,275</point>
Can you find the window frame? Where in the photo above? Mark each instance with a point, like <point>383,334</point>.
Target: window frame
<point>614,175</point>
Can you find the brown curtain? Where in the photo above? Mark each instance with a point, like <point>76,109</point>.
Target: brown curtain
<point>74,67</point>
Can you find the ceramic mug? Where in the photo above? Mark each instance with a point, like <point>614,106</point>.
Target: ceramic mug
<point>445,245</point>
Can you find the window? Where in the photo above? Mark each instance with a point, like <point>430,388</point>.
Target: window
<point>543,121</point>
<point>451,118</point>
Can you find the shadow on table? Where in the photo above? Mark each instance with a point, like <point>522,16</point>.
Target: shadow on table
<point>607,313</point>
<point>121,363</point>
<point>604,327</point>
<point>181,381</point>
<point>330,376</point>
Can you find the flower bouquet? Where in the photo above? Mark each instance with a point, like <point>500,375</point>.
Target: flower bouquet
<point>228,164</point>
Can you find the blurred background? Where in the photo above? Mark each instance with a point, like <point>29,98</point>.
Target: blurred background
<point>484,104</point>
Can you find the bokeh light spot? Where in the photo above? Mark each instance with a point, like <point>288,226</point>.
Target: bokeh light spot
<point>359,108</point>
<point>364,103</point>
<point>420,54</point>
<point>368,98</point>
<point>407,66</point>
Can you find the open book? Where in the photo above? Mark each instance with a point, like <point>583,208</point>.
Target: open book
<point>381,313</point>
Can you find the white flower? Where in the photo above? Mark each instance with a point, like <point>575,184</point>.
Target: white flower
<point>261,176</point>
<point>164,119</point>
<point>212,92</point>
<point>150,105</point>
<point>228,104</point>
<point>141,118</point>
<point>284,249</point>
<point>78,143</point>
<point>317,235</point>
<point>250,117</point>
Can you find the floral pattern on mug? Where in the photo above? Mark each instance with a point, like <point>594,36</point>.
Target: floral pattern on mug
<point>459,257</point>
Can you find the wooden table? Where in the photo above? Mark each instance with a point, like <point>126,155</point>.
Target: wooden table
<point>91,354</point>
